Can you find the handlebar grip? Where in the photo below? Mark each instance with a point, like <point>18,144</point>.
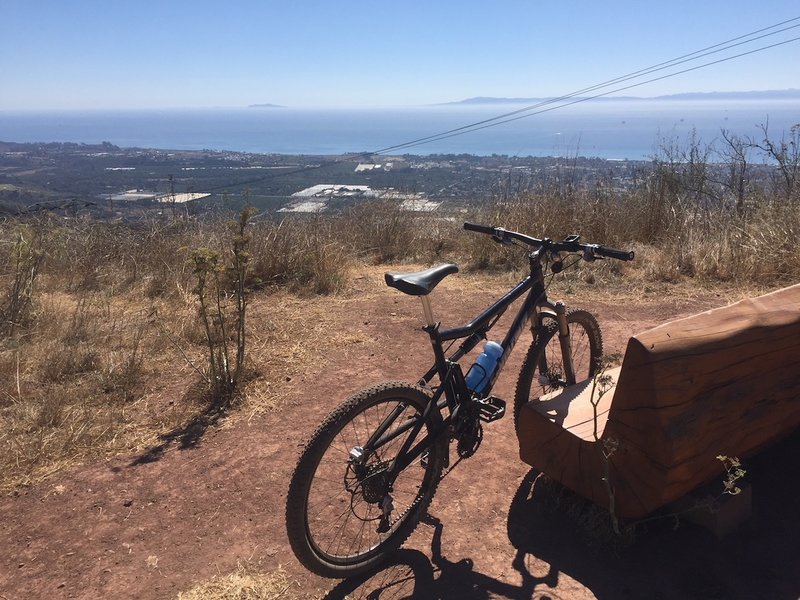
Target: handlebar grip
<point>614,253</point>
<point>479,228</point>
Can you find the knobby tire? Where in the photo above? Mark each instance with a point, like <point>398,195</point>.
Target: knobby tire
<point>587,350</point>
<point>332,516</point>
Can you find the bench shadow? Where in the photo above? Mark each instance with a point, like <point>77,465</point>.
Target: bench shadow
<point>189,434</point>
<point>761,560</point>
<point>667,558</point>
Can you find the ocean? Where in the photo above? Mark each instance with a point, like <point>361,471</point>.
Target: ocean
<point>612,129</point>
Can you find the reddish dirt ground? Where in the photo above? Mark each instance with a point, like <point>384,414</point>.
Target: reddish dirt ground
<point>151,525</point>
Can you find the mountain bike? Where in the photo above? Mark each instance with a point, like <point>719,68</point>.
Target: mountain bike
<point>369,471</point>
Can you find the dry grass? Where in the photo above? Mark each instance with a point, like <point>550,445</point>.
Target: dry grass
<point>97,375</point>
<point>104,347</point>
<point>592,524</point>
<point>708,244</point>
<point>108,361</point>
<point>245,583</point>
<point>290,336</point>
<point>305,252</point>
<point>77,386</point>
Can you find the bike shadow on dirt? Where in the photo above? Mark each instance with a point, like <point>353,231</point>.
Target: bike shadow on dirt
<point>411,574</point>
<point>557,535</point>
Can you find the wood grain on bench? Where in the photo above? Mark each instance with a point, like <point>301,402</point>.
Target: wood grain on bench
<point>722,382</point>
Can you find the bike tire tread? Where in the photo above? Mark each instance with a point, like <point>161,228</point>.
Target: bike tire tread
<point>304,472</point>
<point>574,315</point>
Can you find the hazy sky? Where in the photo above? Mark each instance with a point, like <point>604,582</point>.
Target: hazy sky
<point>198,53</point>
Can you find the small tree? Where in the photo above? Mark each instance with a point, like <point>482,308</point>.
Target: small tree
<point>786,153</point>
<point>215,299</point>
<point>735,151</point>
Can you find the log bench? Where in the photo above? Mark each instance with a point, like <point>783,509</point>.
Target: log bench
<point>722,382</point>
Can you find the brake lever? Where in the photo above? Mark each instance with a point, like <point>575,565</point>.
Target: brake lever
<point>589,255</point>
<point>501,238</point>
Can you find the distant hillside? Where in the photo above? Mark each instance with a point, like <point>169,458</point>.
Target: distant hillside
<point>790,94</point>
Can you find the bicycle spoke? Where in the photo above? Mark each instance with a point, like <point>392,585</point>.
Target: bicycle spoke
<point>351,530</point>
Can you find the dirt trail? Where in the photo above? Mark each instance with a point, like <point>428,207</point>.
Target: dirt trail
<point>148,526</point>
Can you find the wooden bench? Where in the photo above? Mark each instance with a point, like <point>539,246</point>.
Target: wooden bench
<point>722,382</point>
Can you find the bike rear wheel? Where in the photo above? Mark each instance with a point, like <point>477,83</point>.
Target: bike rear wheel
<point>543,368</point>
<point>343,516</point>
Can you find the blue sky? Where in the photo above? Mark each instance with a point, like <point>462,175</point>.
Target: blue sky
<point>146,54</point>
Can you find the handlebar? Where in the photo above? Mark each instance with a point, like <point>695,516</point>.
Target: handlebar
<point>479,228</point>
<point>614,253</point>
<point>571,244</point>
<point>503,236</point>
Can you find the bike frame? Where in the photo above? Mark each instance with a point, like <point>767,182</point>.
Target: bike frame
<point>452,392</point>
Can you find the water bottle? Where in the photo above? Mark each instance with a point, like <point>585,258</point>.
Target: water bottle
<point>482,370</point>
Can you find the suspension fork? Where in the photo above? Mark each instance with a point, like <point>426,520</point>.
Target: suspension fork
<point>558,311</point>
<point>565,341</point>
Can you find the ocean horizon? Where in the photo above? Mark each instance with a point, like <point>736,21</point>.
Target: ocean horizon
<point>632,129</point>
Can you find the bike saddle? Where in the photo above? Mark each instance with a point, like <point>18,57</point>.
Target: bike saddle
<point>419,283</point>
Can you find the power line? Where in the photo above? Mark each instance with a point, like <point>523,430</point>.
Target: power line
<point>631,76</point>
<point>515,116</point>
<point>575,97</point>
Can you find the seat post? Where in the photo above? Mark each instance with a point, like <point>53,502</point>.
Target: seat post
<point>426,308</point>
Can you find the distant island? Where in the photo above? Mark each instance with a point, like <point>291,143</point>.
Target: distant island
<point>790,94</point>
<point>266,105</point>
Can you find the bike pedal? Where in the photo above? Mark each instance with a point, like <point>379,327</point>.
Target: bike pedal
<point>492,408</point>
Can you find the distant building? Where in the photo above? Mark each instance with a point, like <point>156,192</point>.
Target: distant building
<point>179,198</point>
<point>316,197</point>
<point>367,167</point>
<point>333,190</point>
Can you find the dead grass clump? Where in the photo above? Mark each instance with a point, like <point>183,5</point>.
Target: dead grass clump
<point>20,266</point>
<point>87,256</point>
<point>302,252</point>
<point>123,371</point>
<point>83,255</point>
<point>58,364</point>
<point>723,247</point>
<point>245,583</point>
<point>10,363</point>
<point>66,348</point>
<point>595,219</point>
<point>53,426</point>
<point>158,258</point>
<point>74,388</point>
<point>590,522</point>
<point>674,238</point>
<point>381,230</point>
<point>324,261</point>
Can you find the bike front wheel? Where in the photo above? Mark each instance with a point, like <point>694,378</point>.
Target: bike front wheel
<point>344,515</point>
<point>543,368</point>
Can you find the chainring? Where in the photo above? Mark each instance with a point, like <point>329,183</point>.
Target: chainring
<point>470,438</point>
